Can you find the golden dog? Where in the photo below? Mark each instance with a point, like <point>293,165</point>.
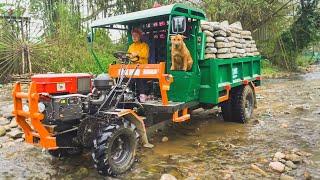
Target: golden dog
<point>180,55</point>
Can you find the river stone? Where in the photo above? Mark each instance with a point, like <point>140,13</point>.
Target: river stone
<point>82,172</point>
<point>291,165</point>
<point>286,177</point>
<point>13,123</point>
<point>165,139</point>
<point>15,133</point>
<point>167,177</point>
<point>19,140</point>
<point>277,166</point>
<point>2,131</point>
<point>279,155</point>
<point>4,121</point>
<point>293,157</point>
<point>7,110</point>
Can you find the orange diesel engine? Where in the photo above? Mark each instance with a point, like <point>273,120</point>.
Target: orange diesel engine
<point>61,102</point>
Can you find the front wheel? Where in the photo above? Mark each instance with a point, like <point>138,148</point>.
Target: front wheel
<point>115,147</point>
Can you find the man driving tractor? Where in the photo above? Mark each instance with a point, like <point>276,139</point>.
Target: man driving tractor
<point>138,52</point>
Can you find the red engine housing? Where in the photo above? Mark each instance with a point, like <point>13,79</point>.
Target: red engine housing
<point>70,83</point>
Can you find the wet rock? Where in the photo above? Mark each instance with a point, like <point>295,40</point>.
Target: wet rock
<point>82,172</point>
<point>7,128</point>
<point>13,123</point>
<point>228,177</point>
<point>286,177</point>
<point>303,107</point>
<point>4,121</point>
<point>165,139</point>
<point>257,121</point>
<point>7,110</point>
<point>15,134</point>
<point>284,125</point>
<point>258,170</point>
<point>279,155</point>
<point>287,169</point>
<point>293,157</point>
<point>19,140</point>
<point>286,112</point>
<point>307,175</point>
<point>167,177</point>
<point>281,160</point>
<point>259,96</point>
<point>302,153</point>
<point>2,131</point>
<point>277,166</point>
<point>291,164</point>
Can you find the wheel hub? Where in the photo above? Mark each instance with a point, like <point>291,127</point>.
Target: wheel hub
<point>120,149</point>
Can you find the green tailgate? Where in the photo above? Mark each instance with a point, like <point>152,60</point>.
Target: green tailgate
<point>217,73</point>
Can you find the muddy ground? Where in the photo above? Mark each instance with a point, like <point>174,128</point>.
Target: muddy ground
<point>286,121</point>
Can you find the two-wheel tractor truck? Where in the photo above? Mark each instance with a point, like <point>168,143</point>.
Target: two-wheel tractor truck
<point>69,112</point>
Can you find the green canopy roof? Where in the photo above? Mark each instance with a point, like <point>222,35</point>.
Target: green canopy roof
<point>129,18</point>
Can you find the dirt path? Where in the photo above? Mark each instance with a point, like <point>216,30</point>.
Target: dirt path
<point>287,121</point>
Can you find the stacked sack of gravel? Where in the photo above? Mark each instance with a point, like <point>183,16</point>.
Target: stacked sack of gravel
<point>227,41</point>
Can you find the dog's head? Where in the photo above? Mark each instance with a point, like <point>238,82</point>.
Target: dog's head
<point>177,41</point>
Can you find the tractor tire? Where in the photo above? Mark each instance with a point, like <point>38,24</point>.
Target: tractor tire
<point>243,103</point>
<point>115,147</point>
<point>226,111</point>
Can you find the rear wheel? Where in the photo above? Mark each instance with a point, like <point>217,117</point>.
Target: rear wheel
<point>239,108</point>
<point>115,147</point>
<point>243,104</point>
<point>226,111</point>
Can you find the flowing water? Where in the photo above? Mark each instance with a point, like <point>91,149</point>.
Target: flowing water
<point>287,118</point>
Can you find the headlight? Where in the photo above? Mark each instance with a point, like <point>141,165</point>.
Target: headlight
<point>41,107</point>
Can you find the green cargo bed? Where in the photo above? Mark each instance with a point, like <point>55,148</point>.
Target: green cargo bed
<point>217,73</point>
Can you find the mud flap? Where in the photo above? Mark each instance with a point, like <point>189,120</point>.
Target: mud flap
<point>139,123</point>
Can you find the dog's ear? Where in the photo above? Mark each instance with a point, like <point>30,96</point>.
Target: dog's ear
<point>172,36</point>
<point>183,37</point>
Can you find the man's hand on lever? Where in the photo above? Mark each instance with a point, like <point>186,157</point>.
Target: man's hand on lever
<point>133,56</point>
